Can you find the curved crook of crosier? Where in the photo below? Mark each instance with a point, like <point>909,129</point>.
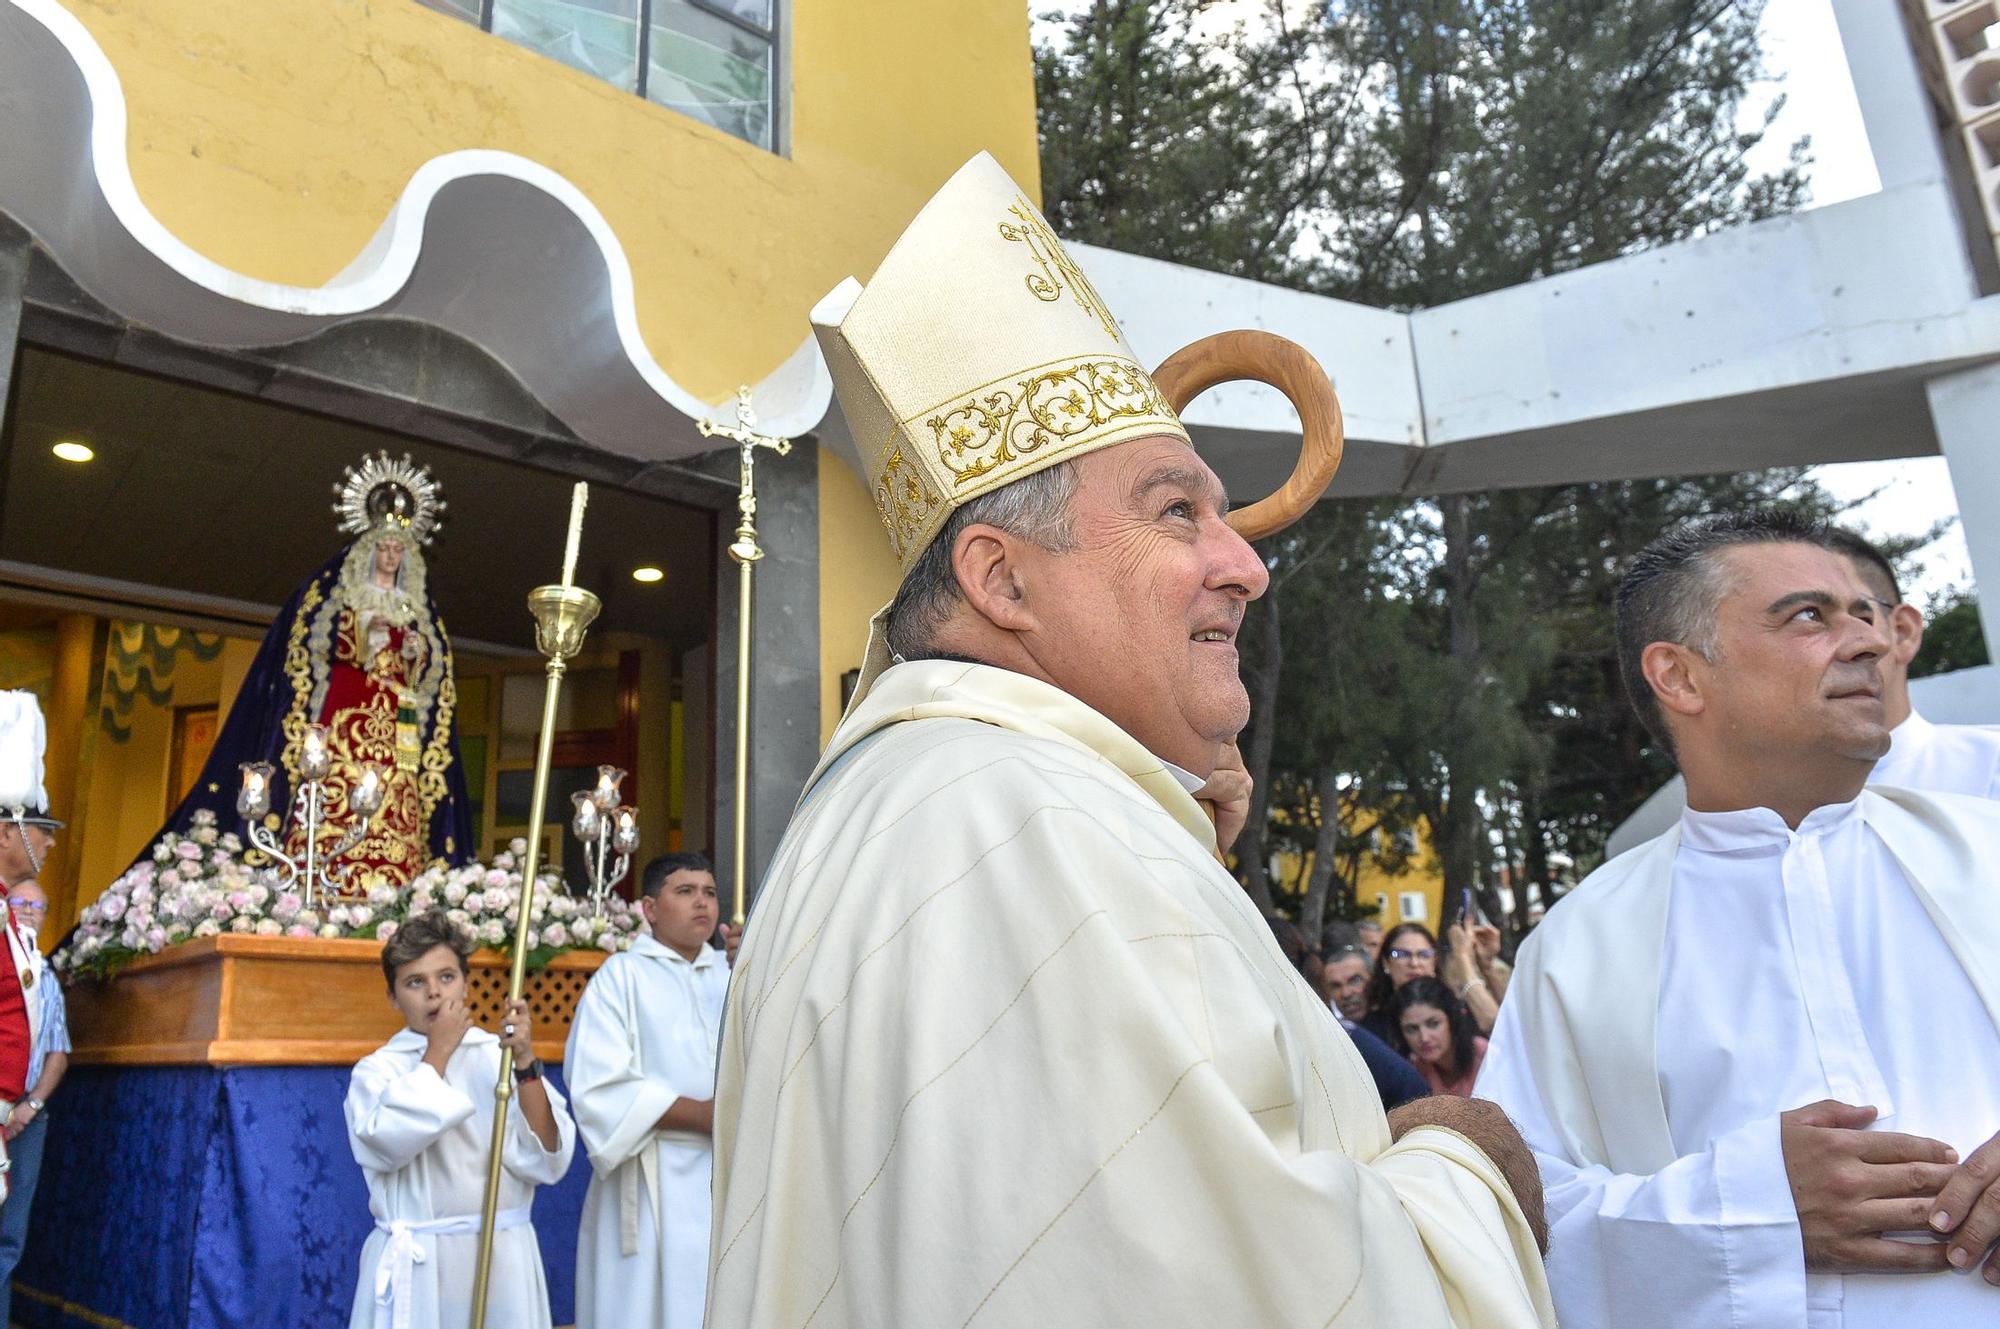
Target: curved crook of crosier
<point>1265,357</point>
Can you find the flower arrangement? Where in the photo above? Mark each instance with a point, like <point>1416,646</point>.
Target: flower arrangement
<point>199,885</point>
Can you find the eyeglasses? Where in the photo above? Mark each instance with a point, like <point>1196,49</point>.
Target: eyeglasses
<point>1398,953</point>
<point>28,906</point>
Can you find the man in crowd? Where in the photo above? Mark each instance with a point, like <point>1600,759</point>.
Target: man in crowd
<point>1954,759</point>
<point>1344,976</point>
<point>34,1030</point>
<point>1007,1044</point>
<point>1716,1151</point>
<point>641,1070</point>
<point>1950,758</point>
<point>1370,934</point>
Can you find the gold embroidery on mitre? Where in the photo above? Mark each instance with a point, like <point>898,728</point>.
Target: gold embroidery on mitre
<point>1057,267</point>
<point>906,499</point>
<point>1057,404</point>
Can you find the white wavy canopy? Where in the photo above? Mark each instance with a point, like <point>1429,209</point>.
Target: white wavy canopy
<point>497,249</point>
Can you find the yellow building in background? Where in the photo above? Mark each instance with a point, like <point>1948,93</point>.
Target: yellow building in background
<point>244,240</point>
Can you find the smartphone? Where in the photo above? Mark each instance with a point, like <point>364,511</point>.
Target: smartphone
<point>1468,913</point>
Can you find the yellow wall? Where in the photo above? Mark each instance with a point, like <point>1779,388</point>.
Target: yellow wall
<point>857,576</point>
<point>274,135</point>
<point>1425,875</point>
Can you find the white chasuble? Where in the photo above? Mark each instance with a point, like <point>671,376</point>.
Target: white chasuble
<point>421,1140</point>
<point>644,1034</point>
<point>1687,993</point>
<point>1008,1047</point>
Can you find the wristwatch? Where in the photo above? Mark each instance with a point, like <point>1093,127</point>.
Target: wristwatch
<point>37,1105</point>
<point>532,1070</point>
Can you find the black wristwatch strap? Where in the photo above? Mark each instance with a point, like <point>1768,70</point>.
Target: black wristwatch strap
<point>531,1071</point>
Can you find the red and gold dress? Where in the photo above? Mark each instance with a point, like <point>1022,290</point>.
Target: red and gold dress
<point>371,715</point>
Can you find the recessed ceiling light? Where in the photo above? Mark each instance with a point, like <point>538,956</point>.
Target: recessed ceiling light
<point>69,451</point>
<point>648,573</point>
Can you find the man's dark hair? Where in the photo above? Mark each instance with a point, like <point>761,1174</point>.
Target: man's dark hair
<point>1882,573</point>
<point>654,879</point>
<point>1672,588</point>
<point>418,937</point>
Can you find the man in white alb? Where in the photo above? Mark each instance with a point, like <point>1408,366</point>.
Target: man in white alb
<point>1751,1054</point>
<point>640,1063</point>
<point>1950,758</point>
<point>1947,758</point>
<point>1007,1046</point>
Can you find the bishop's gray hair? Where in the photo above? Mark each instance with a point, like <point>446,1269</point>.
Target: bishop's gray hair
<point>1035,508</point>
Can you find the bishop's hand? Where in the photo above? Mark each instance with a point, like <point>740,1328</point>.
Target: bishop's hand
<point>1226,796</point>
<point>1487,1127</point>
<point>1851,1185</point>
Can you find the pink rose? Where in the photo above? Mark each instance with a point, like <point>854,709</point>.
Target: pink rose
<point>187,849</point>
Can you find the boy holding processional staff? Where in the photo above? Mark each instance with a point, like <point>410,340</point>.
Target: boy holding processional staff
<point>419,1118</point>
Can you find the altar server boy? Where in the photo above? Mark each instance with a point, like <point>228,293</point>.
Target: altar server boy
<point>420,1118</point>
<point>641,1063</point>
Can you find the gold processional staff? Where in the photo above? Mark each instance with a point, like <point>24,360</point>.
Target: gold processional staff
<point>562,613</point>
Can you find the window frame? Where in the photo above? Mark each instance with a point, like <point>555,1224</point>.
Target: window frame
<point>778,35</point>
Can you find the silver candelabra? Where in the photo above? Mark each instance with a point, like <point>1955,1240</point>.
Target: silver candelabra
<point>609,832</point>
<point>310,871</point>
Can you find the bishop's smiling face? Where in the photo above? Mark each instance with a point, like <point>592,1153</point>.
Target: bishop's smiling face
<point>1138,619</point>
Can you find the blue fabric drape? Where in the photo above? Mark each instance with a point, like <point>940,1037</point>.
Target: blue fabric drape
<point>218,1198</point>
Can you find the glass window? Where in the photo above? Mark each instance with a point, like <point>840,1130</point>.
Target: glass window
<point>757,13</point>
<point>713,69</point>
<point>599,37</point>
<point>715,60</point>
<point>465,9</point>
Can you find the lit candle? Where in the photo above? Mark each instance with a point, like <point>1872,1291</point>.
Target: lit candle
<point>367,796</point>
<point>587,821</point>
<point>606,793</point>
<point>625,832</point>
<point>255,800</point>
<point>315,762</point>
<point>577,498</point>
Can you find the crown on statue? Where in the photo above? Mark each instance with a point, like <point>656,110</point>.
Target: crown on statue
<point>387,493</point>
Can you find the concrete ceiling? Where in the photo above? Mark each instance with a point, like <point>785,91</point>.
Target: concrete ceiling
<point>201,492</point>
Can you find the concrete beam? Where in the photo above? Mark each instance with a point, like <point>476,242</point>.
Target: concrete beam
<point>1966,410</point>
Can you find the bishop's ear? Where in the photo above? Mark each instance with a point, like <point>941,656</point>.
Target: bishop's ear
<point>1672,672</point>
<point>987,563</point>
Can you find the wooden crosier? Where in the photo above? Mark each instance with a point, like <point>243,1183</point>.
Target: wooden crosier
<point>1264,357</point>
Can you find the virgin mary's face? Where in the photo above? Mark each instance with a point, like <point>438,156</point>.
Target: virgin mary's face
<point>388,557</point>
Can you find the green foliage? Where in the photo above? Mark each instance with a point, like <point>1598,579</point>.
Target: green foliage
<point>1443,664</point>
<point>1953,637</point>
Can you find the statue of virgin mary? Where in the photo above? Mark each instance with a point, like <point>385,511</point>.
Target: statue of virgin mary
<point>360,651</point>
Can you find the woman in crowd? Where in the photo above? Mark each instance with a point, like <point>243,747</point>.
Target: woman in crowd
<point>1436,1032</point>
<point>1409,951</point>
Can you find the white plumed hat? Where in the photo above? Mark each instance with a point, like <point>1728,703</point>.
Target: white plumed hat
<point>23,739</point>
